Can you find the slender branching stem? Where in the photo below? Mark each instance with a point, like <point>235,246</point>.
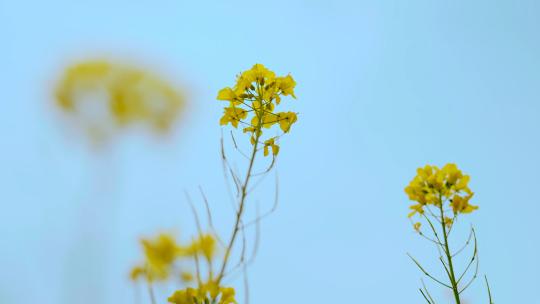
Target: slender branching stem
<point>488,290</point>
<point>450,272</point>
<point>243,194</point>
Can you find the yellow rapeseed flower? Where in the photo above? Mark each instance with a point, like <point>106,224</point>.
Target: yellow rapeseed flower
<point>162,250</point>
<point>137,272</point>
<point>286,120</point>
<point>448,221</point>
<point>205,293</point>
<point>227,296</point>
<point>127,94</point>
<point>286,85</point>
<point>461,204</point>
<point>233,115</point>
<point>160,254</point>
<point>204,245</point>
<point>417,226</point>
<point>434,186</point>
<point>253,100</point>
<point>270,143</point>
<point>186,277</point>
<point>436,192</point>
<point>186,296</point>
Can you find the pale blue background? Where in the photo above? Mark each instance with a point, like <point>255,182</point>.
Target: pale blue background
<point>383,87</point>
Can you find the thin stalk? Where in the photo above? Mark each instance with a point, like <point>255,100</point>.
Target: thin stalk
<point>243,195</point>
<point>151,292</point>
<point>451,274</point>
<point>489,290</point>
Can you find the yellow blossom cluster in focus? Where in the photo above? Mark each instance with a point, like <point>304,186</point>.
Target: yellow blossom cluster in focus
<point>252,104</point>
<point>103,96</point>
<point>434,186</point>
<point>441,196</point>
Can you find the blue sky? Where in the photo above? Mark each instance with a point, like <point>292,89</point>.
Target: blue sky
<point>383,88</point>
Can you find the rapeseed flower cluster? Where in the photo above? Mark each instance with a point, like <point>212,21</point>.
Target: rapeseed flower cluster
<point>166,259</point>
<point>128,95</point>
<point>434,186</point>
<point>163,252</point>
<point>253,102</point>
<point>204,294</point>
<point>441,195</point>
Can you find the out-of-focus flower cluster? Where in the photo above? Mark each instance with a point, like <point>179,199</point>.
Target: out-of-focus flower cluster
<point>252,104</point>
<point>434,186</point>
<point>166,259</point>
<point>103,96</point>
<point>207,293</point>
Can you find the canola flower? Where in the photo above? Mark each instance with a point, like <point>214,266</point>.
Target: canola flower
<point>441,195</point>
<point>166,259</point>
<point>160,255</point>
<point>253,101</point>
<point>434,186</point>
<point>251,104</point>
<point>205,294</point>
<point>103,96</point>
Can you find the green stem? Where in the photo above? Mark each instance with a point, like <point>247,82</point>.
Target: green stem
<point>451,274</point>
<point>243,196</point>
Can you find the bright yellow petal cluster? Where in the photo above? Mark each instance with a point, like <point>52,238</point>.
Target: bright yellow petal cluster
<point>461,204</point>
<point>129,95</point>
<point>205,293</point>
<point>434,186</point>
<point>233,115</point>
<point>270,144</point>
<point>253,101</point>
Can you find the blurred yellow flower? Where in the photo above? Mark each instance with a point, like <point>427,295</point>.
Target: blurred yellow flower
<point>103,96</point>
<point>186,296</point>
<point>417,226</point>
<point>186,277</point>
<point>205,293</point>
<point>204,245</point>
<point>163,250</point>
<point>227,296</point>
<point>160,254</point>
<point>137,272</point>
